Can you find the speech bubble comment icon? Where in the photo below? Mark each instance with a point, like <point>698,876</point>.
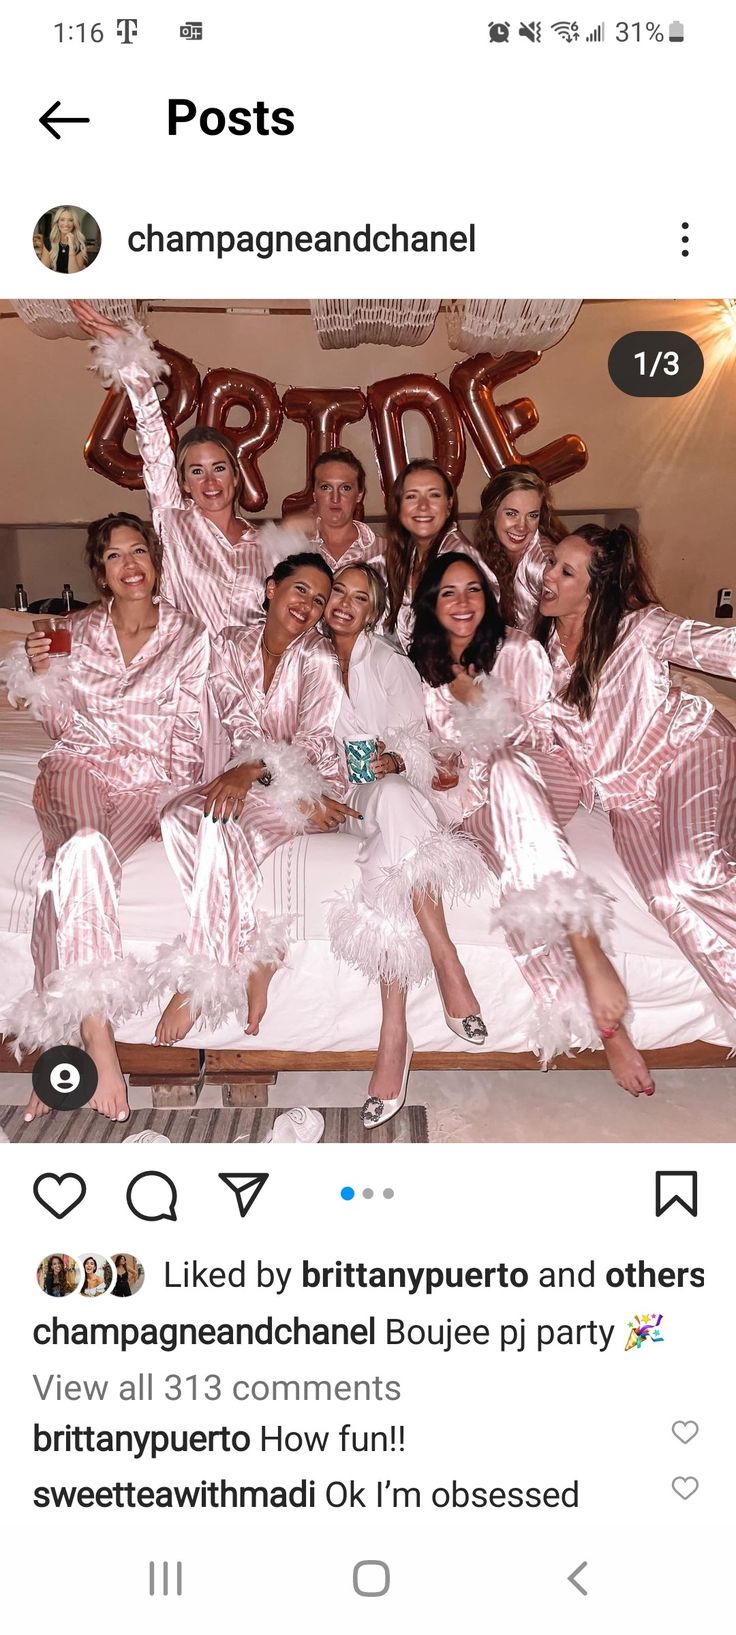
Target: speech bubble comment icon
<point>151,1196</point>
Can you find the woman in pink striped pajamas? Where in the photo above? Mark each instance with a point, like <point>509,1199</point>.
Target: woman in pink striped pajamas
<point>212,562</point>
<point>516,530</point>
<point>277,688</point>
<point>124,710</point>
<point>661,762</point>
<point>487,693</point>
<point>422,524</point>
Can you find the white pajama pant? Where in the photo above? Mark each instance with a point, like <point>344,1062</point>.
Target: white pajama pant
<point>405,852</point>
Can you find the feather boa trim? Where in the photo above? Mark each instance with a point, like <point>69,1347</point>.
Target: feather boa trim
<point>295,782</point>
<point>278,540</point>
<point>133,352</point>
<point>113,991</point>
<point>549,911</point>
<point>49,692</point>
<point>413,743</point>
<point>444,867</point>
<point>384,950</point>
<point>560,1031</point>
<point>486,725</point>
<point>218,991</point>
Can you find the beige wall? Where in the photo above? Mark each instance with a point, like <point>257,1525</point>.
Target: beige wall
<point>673,462</point>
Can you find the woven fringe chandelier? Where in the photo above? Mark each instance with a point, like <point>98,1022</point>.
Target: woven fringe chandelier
<point>55,319</point>
<point>500,327</point>
<point>377,323</point>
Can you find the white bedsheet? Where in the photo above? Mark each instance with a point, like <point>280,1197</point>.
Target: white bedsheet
<point>314,1004</point>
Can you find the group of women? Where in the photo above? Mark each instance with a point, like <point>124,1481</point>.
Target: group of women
<point>212,689</point>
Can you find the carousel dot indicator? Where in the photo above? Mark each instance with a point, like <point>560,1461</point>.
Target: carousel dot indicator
<point>367,1192</point>
<point>347,1193</point>
<point>388,1192</point>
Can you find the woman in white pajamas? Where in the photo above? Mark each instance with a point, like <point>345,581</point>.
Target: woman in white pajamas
<point>487,692</point>
<point>661,762</point>
<point>276,685</point>
<point>392,928</point>
<point>125,713</point>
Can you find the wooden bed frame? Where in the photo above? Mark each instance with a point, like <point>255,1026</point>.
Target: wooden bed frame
<point>177,1074</point>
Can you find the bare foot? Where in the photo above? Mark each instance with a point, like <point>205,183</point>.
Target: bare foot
<point>257,990</point>
<point>607,996</point>
<point>627,1065</point>
<point>111,1096</point>
<point>388,1072</point>
<point>455,989</point>
<point>34,1108</point>
<point>176,1021</point>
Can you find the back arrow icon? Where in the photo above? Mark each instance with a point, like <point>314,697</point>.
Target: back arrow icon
<point>573,1578</point>
<point>51,118</point>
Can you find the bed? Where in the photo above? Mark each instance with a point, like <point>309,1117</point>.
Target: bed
<point>322,1015</point>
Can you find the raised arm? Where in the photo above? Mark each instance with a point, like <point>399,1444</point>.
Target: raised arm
<point>125,357</point>
<point>696,646</point>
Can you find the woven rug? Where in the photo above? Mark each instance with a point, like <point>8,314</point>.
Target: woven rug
<point>211,1126</point>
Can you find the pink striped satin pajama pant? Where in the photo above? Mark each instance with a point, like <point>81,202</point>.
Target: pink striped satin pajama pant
<point>519,833</point>
<point>89,829</point>
<point>681,855</point>
<point>217,866</point>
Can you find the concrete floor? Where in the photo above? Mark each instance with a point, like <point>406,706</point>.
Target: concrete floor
<point>697,1104</point>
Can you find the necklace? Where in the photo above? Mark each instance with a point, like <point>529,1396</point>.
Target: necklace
<point>275,656</point>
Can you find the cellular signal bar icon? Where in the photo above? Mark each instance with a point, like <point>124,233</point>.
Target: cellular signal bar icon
<point>596,35</point>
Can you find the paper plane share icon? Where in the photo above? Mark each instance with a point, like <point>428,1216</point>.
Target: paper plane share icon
<point>245,1187</point>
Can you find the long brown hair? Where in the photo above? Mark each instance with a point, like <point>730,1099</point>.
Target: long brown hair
<point>400,546</point>
<point>487,543</point>
<point>619,584</point>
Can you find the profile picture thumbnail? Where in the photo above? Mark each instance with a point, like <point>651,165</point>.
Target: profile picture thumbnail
<point>66,238</point>
<point>129,1275</point>
<point>58,1275</point>
<point>97,1275</point>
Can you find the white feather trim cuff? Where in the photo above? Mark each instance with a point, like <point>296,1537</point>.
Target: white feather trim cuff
<point>128,358</point>
<point>278,540</point>
<point>383,949</point>
<point>43,694</point>
<point>295,782</point>
<point>413,743</point>
<point>557,905</point>
<point>112,991</point>
<point>219,991</point>
<point>487,724</point>
<point>444,867</point>
<point>559,1031</point>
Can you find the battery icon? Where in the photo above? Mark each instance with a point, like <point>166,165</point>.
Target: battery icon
<point>677,33</point>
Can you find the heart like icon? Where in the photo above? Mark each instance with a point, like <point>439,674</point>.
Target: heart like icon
<point>685,1486</point>
<point>65,1196</point>
<point>685,1429</point>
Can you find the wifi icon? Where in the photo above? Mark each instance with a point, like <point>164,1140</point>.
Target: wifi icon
<point>567,31</point>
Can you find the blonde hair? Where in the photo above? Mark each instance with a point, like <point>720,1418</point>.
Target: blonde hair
<point>376,589</point>
<point>80,243</point>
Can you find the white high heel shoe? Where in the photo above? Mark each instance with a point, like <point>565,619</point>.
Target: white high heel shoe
<point>377,1111</point>
<point>471,1029</point>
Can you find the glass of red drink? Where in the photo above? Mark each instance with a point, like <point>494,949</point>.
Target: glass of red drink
<point>59,630</point>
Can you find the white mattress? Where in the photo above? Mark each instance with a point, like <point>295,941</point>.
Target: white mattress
<point>315,1004</point>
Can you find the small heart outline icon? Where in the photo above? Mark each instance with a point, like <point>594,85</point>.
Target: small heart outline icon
<point>683,1426</point>
<point>69,1175</point>
<point>682,1482</point>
